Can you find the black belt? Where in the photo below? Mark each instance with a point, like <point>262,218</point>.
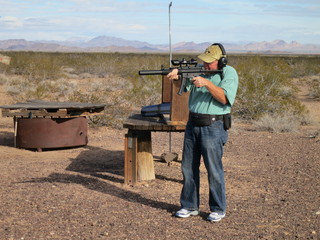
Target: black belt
<point>201,115</point>
<point>199,119</point>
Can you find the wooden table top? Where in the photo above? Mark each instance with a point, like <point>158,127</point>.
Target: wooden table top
<point>137,122</point>
<point>39,108</point>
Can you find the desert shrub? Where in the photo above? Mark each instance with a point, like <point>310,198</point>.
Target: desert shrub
<point>3,79</point>
<point>120,69</point>
<point>303,65</point>
<point>285,122</point>
<point>265,87</point>
<point>35,66</point>
<point>315,87</point>
<point>21,89</point>
<point>113,91</point>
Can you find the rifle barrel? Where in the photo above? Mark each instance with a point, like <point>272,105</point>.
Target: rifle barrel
<point>180,71</point>
<point>154,72</point>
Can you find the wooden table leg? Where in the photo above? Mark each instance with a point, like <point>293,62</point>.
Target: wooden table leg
<point>138,164</point>
<point>15,126</point>
<point>130,157</point>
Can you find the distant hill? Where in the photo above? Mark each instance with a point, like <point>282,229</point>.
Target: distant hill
<point>114,44</point>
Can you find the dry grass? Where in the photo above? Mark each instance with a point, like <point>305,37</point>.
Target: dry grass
<point>278,123</point>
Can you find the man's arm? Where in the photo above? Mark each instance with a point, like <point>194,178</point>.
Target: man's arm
<point>216,92</point>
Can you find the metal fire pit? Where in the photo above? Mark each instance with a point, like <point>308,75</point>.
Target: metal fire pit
<point>42,133</point>
<point>46,125</point>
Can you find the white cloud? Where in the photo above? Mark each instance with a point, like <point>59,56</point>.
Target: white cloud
<point>98,6</point>
<point>10,22</point>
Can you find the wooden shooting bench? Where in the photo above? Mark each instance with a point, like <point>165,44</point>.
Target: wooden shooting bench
<point>138,160</point>
<point>47,125</point>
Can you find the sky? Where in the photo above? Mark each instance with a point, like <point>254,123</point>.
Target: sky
<point>198,21</point>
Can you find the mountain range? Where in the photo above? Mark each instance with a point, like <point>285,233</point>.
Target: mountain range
<point>114,44</point>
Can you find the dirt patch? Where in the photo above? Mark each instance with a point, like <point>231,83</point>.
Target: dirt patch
<point>272,180</point>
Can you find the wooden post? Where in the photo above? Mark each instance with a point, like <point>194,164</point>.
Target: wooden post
<point>145,163</point>
<point>15,126</point>
<point>138,164</point>
<point>130,173</point>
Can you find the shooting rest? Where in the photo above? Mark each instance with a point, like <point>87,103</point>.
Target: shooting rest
<point>179,104</point>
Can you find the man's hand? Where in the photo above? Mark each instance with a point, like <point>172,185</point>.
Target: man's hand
<point>200,81</point>
<point>216,92</point>
<point>173,75</point>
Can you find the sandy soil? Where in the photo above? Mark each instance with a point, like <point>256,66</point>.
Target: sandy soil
<point>272,180</point>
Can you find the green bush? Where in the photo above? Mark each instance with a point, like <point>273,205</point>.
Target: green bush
<point>265,86</point>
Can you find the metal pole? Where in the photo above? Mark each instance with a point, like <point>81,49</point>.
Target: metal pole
<point>170,53</point>
<point>170,32</point>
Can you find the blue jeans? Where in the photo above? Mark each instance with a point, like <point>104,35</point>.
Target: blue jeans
<point>208,142</point>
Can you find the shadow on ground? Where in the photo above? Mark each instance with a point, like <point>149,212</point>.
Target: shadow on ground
<point>7,139</point>
<point>102,170</point>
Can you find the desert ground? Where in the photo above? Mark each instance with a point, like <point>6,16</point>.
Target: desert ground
<point>272,181</point>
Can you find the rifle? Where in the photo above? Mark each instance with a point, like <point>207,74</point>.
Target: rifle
<point>186,69</point>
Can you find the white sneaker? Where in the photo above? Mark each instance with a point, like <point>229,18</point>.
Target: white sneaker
<point>184,213</point>
<point>215,217</point>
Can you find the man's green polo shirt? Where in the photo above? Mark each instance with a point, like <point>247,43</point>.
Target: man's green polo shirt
<point>201,100</point>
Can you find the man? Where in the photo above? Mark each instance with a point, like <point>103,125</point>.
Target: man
<point>210,101</point>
